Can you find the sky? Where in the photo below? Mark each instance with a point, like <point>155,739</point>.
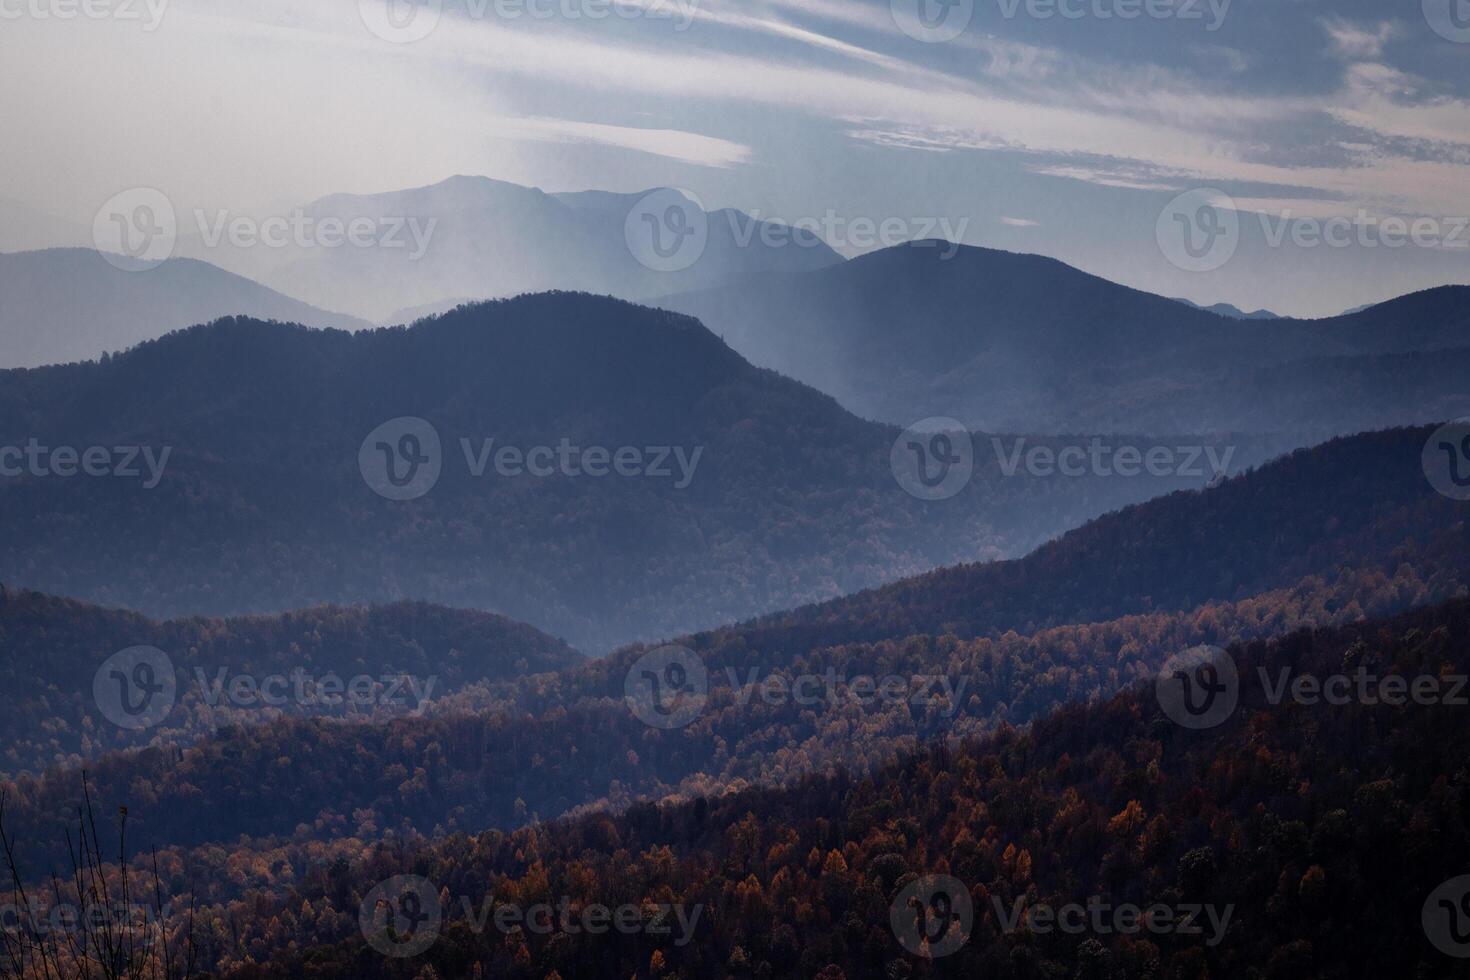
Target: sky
<point>1297,155</point>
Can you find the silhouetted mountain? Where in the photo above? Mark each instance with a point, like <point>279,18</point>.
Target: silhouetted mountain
<point>1357,499</point>
<point>56,648</point>
<point>489,238</point>
<point>1022,343</point>
<point>64,305</point>
<point>1232,311</point>
<point>763,494</point>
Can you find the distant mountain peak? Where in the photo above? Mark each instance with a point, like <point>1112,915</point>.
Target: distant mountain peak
<point>1231,311</point>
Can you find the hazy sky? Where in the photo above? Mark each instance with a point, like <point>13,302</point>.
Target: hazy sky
<point>1065,127</point>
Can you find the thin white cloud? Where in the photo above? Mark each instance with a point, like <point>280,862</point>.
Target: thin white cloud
<point>1020,222</point>
<point>1131,178</point>
<point>706,151</point>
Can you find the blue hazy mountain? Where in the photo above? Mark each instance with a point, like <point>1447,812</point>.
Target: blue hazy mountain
<point>70,304</point>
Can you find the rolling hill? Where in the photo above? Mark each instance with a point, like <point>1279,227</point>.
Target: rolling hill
<point>56,649</point>
<point>70,304</point>
<point>477,237</point>
<point>1022,343</point>
<point>713,491</point>
<point>999,644</point>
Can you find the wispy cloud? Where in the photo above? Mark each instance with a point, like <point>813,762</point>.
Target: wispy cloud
<point>706,151</point>
<point>1358,41</point>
